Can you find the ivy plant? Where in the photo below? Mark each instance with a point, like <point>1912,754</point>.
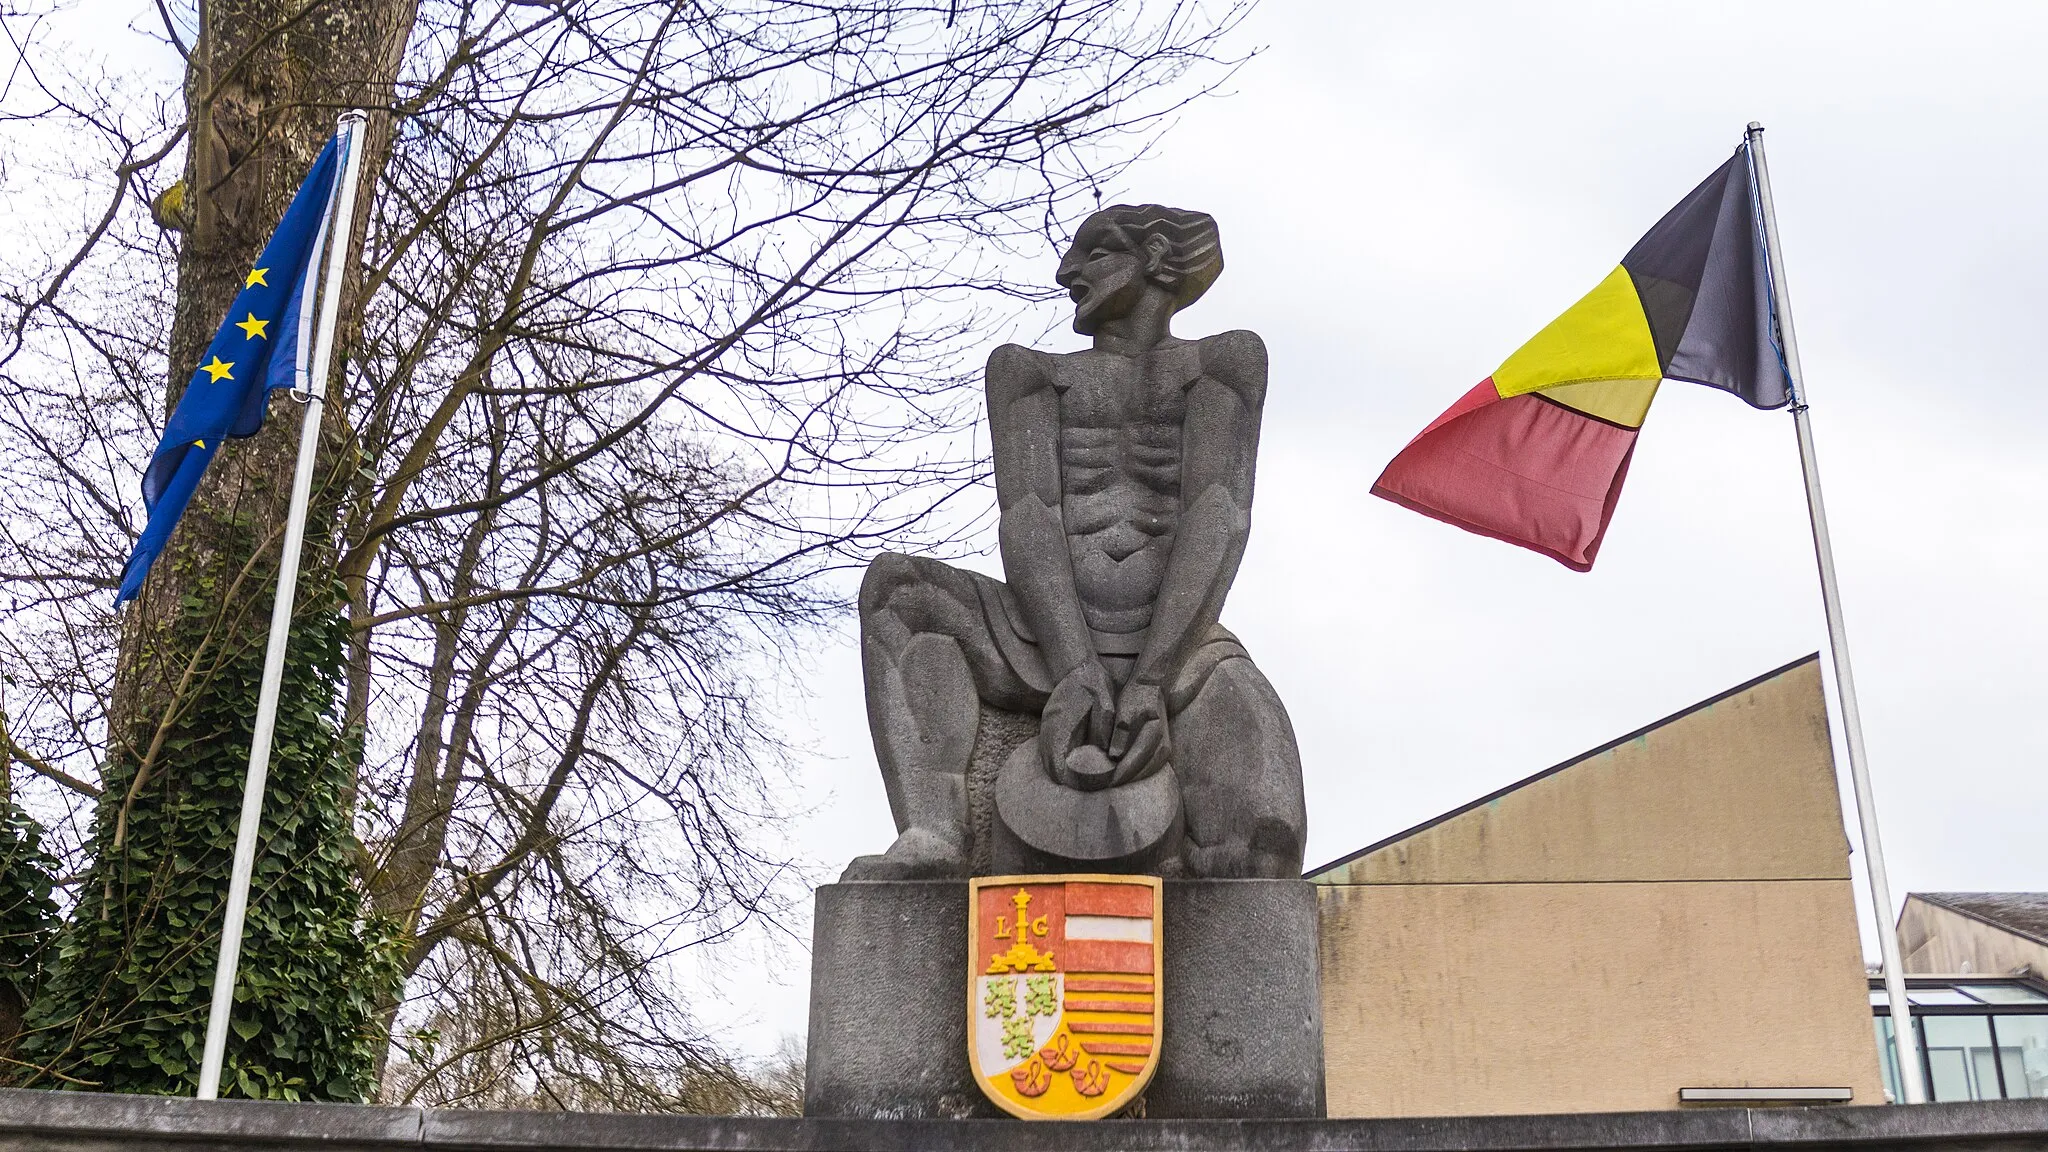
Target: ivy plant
<point>28,914</point>
<point>124,1000</point>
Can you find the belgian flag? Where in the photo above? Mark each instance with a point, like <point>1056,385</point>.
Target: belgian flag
<point>1535,455</point>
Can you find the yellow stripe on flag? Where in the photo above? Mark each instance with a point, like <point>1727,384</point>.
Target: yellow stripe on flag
<point>1605,336</point>
<point>1623,402</point>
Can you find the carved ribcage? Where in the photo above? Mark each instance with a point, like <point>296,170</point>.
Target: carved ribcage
<point>1115,478</point>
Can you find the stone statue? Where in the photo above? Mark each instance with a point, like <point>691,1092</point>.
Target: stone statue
<point>1124,474</point>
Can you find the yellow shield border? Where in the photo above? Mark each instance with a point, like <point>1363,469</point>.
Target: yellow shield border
<point>1137,1083</point>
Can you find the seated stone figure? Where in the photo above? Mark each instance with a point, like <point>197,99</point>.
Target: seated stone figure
<point>1124,475</point>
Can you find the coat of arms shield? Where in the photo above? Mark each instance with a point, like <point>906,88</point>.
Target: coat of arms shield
<point>1063,1002</point>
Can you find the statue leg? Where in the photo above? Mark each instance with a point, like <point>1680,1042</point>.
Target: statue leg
<point>929,660</point>
<point>1240,775</point>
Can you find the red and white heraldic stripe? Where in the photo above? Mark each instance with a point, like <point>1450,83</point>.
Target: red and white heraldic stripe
<point>1108,928</point>
<point>1110,993</point>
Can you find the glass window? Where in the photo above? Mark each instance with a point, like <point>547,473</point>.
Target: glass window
<point>1960,1062</point>
<point>1888,1059</point>
<point>1933,996</point>
<point>2023,1051</point>
<point>2003,993</point>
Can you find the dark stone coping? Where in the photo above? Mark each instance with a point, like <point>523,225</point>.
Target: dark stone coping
<point>84,1122</point>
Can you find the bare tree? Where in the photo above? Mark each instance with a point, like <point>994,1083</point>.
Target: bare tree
<point>667,310</point>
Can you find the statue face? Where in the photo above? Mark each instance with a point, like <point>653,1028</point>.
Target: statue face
<point>1105,277</point>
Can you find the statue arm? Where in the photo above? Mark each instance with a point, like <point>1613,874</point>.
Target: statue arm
<point>1023,416</point>
<point>1219,451</point>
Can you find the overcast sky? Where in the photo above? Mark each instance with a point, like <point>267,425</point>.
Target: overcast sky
<point>1406,193</point>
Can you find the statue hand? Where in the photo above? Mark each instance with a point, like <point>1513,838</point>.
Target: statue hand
<point>1139,742</point>
<point>1077,715</point>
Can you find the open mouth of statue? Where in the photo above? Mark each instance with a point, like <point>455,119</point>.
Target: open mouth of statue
<point>1078,292</point>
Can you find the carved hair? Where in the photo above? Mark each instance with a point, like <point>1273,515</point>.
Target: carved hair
<point>1194,254</point>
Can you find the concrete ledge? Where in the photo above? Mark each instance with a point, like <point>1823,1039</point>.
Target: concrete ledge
<point>82,1122</point>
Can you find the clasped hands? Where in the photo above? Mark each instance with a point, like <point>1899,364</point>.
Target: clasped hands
<point>1092,736</point>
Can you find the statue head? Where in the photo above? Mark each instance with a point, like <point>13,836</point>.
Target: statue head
<point>1126,251</point>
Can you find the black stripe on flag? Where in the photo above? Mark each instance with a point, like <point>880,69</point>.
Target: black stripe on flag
<point>1700,276</point>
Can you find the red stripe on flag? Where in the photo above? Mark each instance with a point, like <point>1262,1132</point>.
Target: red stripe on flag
<point>1523,470</point>
<point>1483,393</point>
<point>1106,956</point>
<point>1084,899</point>
<point>1124,1066</point>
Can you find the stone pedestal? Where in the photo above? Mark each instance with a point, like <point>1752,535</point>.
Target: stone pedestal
<point>1243,1027</point>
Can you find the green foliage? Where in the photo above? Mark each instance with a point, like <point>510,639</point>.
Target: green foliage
<point>28,916</point>
<point>123,1005</point>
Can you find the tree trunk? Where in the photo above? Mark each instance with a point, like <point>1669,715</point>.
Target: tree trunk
<point>263,87</point>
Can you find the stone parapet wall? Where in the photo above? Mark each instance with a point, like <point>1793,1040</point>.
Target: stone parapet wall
<point>82,1122</point>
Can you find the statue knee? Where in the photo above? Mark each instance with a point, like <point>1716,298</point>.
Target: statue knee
<point>1228,683</point>
<point>1240,771</point>
<point>1233,723</point>
<point>887,574</point>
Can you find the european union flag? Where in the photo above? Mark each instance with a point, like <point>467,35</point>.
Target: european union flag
<point>263,344</point>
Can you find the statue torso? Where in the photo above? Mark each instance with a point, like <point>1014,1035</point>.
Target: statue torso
<point>1120,427</point>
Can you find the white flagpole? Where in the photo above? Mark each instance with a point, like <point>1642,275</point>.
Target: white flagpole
<point>1904,1044</point>
<point>350,124</point>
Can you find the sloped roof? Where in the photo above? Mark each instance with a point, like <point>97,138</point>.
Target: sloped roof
<point>2020,913</point>
<point>1618,845</point>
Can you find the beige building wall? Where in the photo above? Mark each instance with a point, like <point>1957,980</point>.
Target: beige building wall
<point>1670,911</point>
<point>1942,940</point>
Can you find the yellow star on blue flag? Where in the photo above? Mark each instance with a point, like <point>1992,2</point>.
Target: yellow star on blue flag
<point>229,391</point>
